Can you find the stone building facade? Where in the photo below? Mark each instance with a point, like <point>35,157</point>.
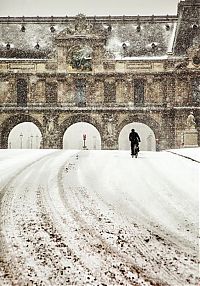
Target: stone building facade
<point>56,71</point>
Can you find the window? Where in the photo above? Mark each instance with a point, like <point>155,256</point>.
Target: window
<point>138,91</point>
<point>22,90</point>
<point>109,92</point>
<point>80,92</point>
<point>51,92</point>
<point>196,90</point>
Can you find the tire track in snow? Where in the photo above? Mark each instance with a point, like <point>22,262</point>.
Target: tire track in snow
<point>82,233</point>
<point>85,224</point>
<point>52,251</point>
<point>173,253</point>
<point>142,246</point>
<point>7,265</point>
<point>186,271</point>
<point>122,240</point>
<point>72,267</point>
<point>49,228</point>
<point>165,183</point>
<point>52,238</point>
<point>12,242</point>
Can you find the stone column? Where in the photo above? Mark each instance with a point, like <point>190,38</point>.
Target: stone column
<point>167,140</point>
<point>61,56</point>
<point>170,91</point>
<point>97,57</point>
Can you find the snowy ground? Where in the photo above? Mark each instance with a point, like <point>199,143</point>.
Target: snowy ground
<point>98,218</point>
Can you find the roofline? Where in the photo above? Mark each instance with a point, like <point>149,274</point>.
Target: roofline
<point>131,59</point>
<point>94,19</point>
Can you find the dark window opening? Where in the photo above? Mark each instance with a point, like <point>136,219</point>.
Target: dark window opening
<point>196,91</point>
<point>80,92</point>
<point>22,91</point>
<point>139,92</point>
<point>51,92</point>
<point>109,92</point>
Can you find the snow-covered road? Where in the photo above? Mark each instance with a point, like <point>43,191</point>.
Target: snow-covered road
<point>98,218</point>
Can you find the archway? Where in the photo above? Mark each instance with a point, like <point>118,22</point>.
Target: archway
<point>25,135</point>
<point>82,135</point>
<point>147,136</point>
<point>13,121</point>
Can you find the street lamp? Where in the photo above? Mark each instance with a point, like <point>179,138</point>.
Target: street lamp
<point>84,139</point>
<point>37,147</point>
<point>28,142</point>
<point>21,139</point>
<point>94,142</point>
<point>31,141</point>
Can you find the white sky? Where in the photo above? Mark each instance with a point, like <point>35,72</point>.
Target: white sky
<point>87,7</point>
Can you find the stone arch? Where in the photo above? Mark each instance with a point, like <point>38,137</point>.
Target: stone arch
<point>147,136</point>
<point>75,119</point>
<point>11,122</point>
<point>147,120</point>
<point>82,135</point>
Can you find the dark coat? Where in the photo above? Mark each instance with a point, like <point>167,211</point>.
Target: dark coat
<point>134,137</point>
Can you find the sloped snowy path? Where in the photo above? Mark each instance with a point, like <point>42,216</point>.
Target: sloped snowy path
<point>98,218</point>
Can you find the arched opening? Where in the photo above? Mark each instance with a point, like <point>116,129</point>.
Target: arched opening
<point>13,121</point>
<point>147,136</point>
<point>25,135</point>
<point>82,135</point>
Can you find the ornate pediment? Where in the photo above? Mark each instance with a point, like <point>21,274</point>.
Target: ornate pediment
<point>82,28</point>
<point>81,44</point>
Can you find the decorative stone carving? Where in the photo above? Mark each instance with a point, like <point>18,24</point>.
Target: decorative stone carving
<point>182,65</point>
<point>82,25</point>
<point>50,126</point>
<point>81,59</point>
<point>110,126</point>
<point>190,134</point>
<point>82,44</point>
<point>191,121</point>
<point>51,132</point>
<point>109,131</point>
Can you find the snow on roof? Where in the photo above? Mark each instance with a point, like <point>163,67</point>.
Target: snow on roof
<point>153,39</point>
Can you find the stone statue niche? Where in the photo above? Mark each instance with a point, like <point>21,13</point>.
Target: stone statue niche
<point>191,121</point>
<point>190,134</point>
<point>51,138</point>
